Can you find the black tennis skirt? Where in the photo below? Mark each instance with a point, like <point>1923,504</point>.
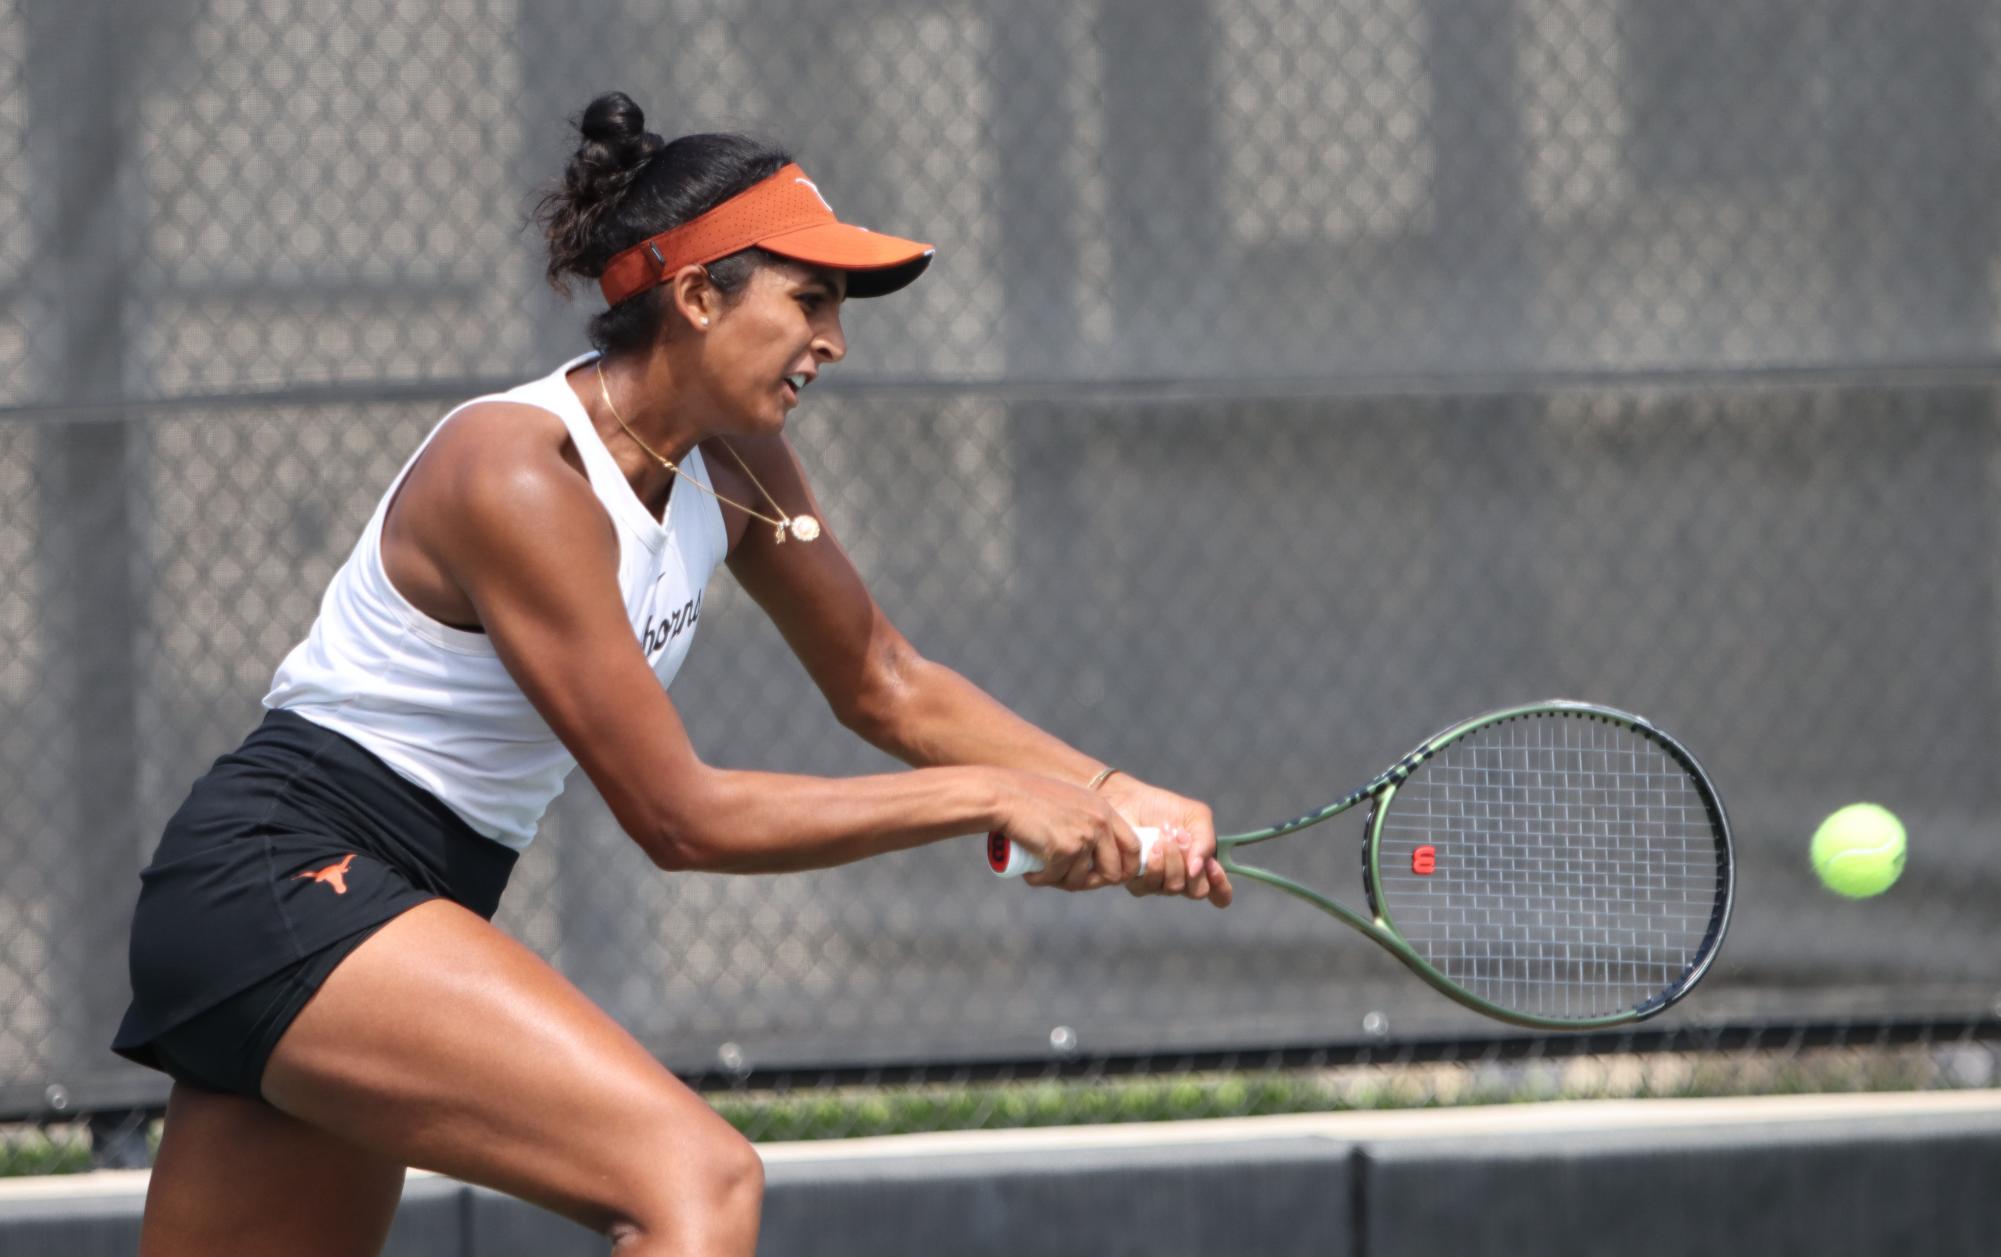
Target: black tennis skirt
<point>287,855</point>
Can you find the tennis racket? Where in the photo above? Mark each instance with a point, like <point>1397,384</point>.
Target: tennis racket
<point>1555,866</point>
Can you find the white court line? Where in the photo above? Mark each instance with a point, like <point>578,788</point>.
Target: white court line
<point>1380,1125</point>
<point>1351,1127</point>
<point>75,1186</point>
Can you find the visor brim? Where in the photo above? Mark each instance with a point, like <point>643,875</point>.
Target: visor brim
<point>876,264</point>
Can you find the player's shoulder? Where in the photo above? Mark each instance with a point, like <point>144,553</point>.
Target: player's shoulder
<point>719,460</point>
<point>765,458</point>
<point>504,426</point>
<point>497,451</point>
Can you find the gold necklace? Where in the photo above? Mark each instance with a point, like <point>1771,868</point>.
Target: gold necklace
<point>804,527</point>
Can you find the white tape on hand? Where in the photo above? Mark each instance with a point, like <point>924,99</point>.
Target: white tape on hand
<point>1008,860</point>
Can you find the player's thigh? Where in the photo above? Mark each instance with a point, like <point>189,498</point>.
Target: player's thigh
<point>236,1176</point>
<point>444,1044</point>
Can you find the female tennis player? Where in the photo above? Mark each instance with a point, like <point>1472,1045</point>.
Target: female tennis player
<point>312,956</point>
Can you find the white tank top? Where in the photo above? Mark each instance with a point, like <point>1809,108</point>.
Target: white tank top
<point>434,702</point>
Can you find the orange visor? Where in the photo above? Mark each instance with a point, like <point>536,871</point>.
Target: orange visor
<point>785,215</point>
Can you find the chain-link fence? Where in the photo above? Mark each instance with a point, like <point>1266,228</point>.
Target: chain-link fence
<point>1294,377</point>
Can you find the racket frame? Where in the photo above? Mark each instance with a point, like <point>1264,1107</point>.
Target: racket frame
<point>1378,926</point>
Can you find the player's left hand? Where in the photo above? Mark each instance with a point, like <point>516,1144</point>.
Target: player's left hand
<point>1184,861</point>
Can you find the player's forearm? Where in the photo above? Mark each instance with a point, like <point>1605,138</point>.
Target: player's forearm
<point>755,822</point>
<point>939,717</point>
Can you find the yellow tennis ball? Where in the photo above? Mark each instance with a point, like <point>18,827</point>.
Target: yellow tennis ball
<point>1859,850</point>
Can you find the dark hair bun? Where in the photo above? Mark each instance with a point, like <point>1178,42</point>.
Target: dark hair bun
<point>615,136</point>
<point>616,147</point>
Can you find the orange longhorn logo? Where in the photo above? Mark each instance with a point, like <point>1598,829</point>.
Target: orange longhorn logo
<point>334,875</point>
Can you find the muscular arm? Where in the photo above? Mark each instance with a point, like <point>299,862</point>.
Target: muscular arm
<point>923,712</point>
<point>878,685</point>
<point>518,530</point>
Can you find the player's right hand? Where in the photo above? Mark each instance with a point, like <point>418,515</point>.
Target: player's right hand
<point>1082,841</point>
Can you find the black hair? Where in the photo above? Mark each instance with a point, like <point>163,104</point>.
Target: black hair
<point>624,184</point>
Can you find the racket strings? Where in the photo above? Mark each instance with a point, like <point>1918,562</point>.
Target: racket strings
<point>1572,866</point>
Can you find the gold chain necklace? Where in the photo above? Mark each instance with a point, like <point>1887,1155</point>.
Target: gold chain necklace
<point>804,527</point>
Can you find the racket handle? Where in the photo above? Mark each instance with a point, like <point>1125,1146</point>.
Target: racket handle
<point>1008,860</point>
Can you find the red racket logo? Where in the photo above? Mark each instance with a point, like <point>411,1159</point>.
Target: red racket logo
<point>1424,860</point>
<point>998,850</point>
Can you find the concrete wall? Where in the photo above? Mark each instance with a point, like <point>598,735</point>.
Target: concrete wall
<point>1844,1176</point>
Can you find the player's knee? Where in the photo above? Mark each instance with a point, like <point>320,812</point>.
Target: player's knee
<point>716,1186</point>
<point>740,1179</point>
<point>732,1175</point>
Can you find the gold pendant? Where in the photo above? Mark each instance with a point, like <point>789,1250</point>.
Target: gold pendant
<point>804,527</point>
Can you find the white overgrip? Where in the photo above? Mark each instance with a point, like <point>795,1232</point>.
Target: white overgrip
<point>1007,859</point>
